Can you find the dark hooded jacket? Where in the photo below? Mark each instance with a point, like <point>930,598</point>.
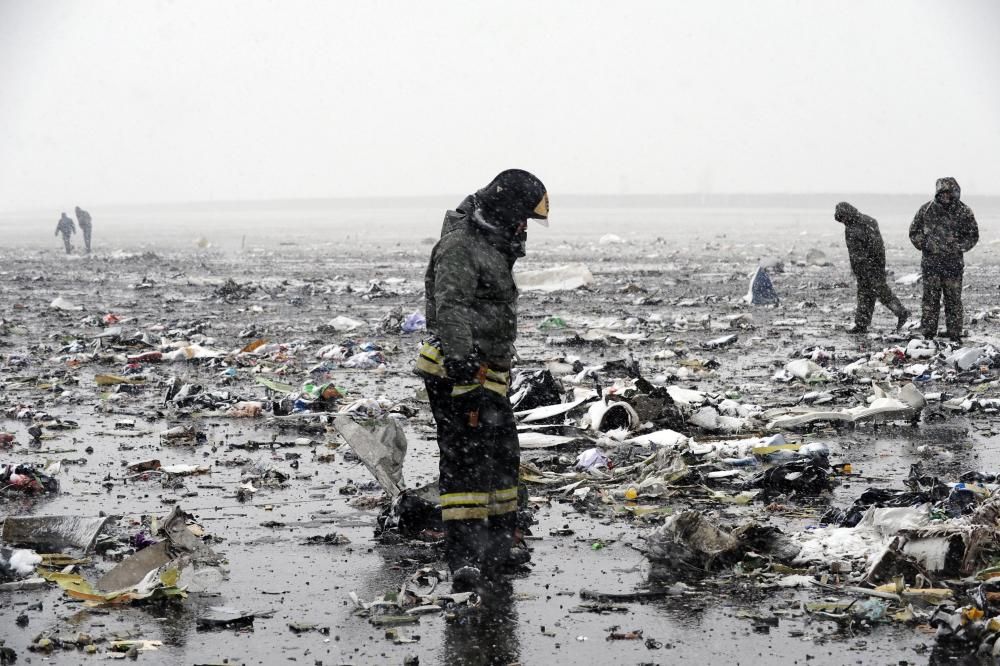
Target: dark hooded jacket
<point>864,243</point>
<point>943,232</point>
<point>470,290</point>
<point>83,218</point>
<point>65,226</point>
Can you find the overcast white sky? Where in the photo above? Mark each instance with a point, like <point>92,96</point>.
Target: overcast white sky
<point>124,102</point>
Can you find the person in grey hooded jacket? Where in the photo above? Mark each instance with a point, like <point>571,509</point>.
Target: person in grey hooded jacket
<point>66,227</point>
<point>867,254</point>
<point>86,225</point>
<point>944,229</point>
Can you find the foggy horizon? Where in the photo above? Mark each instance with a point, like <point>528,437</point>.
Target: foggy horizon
<point>632,200</point>
<point>112,103</point>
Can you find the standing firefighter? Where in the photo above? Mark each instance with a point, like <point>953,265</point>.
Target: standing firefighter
<point>83,219</point>
<point>472,317</point>
<point>943,230</point>
<point>66,227</point>
<point>867,253</point>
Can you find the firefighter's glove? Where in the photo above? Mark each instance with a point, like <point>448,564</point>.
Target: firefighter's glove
<point>463,370</point>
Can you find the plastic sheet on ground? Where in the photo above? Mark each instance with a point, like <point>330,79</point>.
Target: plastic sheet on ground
<point>60,303</point>
<point>342,323</point>
<point>967,358</point>
<point>57,532</point>
<point>592,459</point>
<point>660,438</point>
<point>709,419</point>
<point>890,537</point>
<point>806,370</point>
<point>191,353</point>
<point>557,278</point>
<point>414,321</point>
<point>381,446</point>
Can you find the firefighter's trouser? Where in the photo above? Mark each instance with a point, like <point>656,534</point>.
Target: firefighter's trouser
<point>480,457</point>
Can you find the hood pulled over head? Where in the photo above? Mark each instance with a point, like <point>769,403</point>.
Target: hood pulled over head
<point>947,191</point>
<point>513,197</point>
<point>504,206</point>
<point>846,213</point>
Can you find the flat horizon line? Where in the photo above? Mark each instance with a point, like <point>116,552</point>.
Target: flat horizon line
<point>728,199</point>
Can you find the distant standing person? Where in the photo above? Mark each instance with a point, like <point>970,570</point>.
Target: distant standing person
<point>867,253</point>
<point>66,227</point>
<point>943,230</point>
<point>83,219</point>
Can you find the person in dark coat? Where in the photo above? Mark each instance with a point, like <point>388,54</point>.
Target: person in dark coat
<point>472,318</point>
<point>86,226</point>
<point>944,229</point>
<point>66,227</point>
<point>867,253</point>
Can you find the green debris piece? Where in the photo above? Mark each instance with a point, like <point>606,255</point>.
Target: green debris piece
<point>829,607</point>
<point>43,645</point>
<point>394,620</point>
<point>276,386</point>
<point>905,615</point>
<point>552,323</point>
<point>741,498</point>
<point>78,587</point>
<point>325,391</point>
